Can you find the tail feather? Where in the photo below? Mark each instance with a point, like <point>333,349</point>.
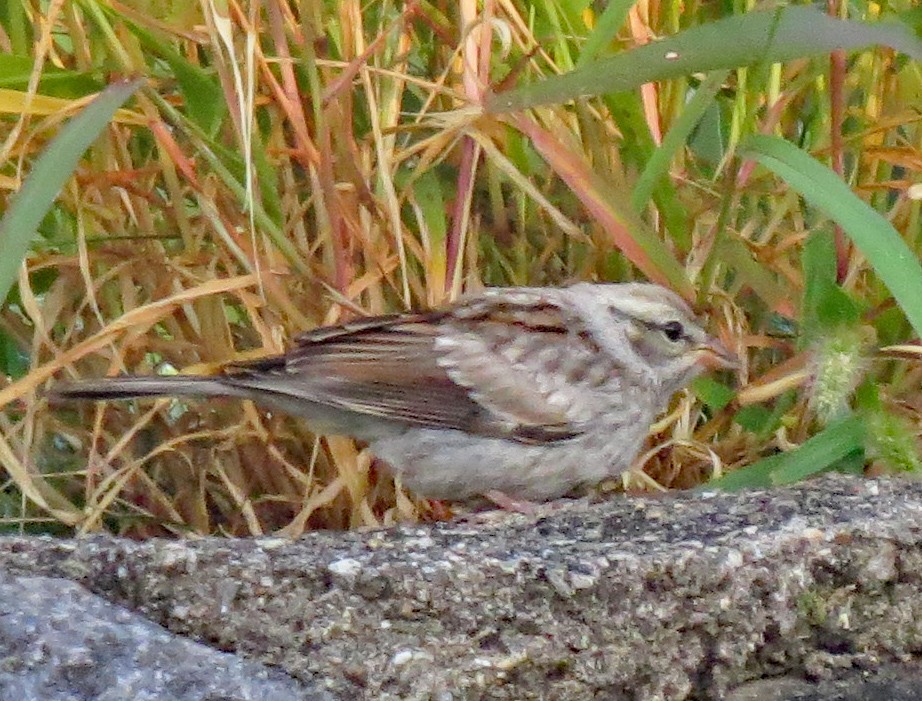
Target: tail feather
<point>135,386</point>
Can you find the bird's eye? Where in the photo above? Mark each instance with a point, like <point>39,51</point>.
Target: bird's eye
<point>673,330</point>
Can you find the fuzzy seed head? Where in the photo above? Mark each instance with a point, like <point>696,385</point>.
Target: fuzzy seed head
<point>892,441</point>
<point>838,362</point>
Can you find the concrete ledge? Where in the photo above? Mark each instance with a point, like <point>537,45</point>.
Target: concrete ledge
<point>685,596</point>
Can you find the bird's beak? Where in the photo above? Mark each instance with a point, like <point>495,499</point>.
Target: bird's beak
<point>714,355</point>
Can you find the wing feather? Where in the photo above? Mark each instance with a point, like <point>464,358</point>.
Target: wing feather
<point>490,366</point>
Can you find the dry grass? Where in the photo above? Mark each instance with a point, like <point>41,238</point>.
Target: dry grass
<point>289,165</point>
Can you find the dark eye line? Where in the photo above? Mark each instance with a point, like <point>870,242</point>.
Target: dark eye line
<point>673,330</point>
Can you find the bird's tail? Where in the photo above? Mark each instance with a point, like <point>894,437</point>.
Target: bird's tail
<point>133,386</point>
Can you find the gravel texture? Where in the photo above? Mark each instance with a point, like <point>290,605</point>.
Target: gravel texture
<point>59,642</point>
<point>684,596</point>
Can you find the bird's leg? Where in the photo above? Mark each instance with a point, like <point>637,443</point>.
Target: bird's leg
<point>439,510</point>
<point>507,503</point>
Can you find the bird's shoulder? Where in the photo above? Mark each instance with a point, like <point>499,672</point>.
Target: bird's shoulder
<point>513,363</point>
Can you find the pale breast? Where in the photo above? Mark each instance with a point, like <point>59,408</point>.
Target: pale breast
<point>456,466</point>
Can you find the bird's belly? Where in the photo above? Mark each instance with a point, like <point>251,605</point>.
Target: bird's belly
<point>456,466</point>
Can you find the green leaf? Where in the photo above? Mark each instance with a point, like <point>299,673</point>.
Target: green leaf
<point>756,419</point>
<point>52,169</point>
<point>867,397</point>
<point>17,26</point>
<point>822,452</point>
<point>835,308</point>
<point>708,140</point>
<point>15,72</point>
<point>200,89</point>
<point>826,305</point>
<point>819,264</point>
<point>204,99</point>
<point>741,40</point>
<point>14,360</point>
<point>892,440</point>
<point>714,394</point>
<point>431,201</point>
<point>895,263</point>
<point>763,421</point>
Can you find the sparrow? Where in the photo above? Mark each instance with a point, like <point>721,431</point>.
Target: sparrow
<point>529,392</point>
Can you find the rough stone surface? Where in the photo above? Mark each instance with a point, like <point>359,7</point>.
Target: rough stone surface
<point>685,596</point>
<point>888,683</point>
<point>58,642</point>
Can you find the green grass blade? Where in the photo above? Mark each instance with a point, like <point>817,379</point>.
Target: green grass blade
<point>15,72</point>
<point>675,138</point>
<point>200,89</point>
<point>49,174</point>
<point>741,40</point>
<point>605,30</point>
<point>17,26</point>
<point>819,453</point>
<point>895,263</point>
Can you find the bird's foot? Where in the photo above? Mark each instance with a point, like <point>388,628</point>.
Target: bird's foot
<point>507,503</point>
<point>438,510</point>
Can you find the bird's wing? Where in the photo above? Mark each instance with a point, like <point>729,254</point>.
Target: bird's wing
<point>487,366</point>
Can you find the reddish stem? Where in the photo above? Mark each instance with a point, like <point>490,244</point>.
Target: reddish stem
<point>459,215</point>
<point>837,117</point>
